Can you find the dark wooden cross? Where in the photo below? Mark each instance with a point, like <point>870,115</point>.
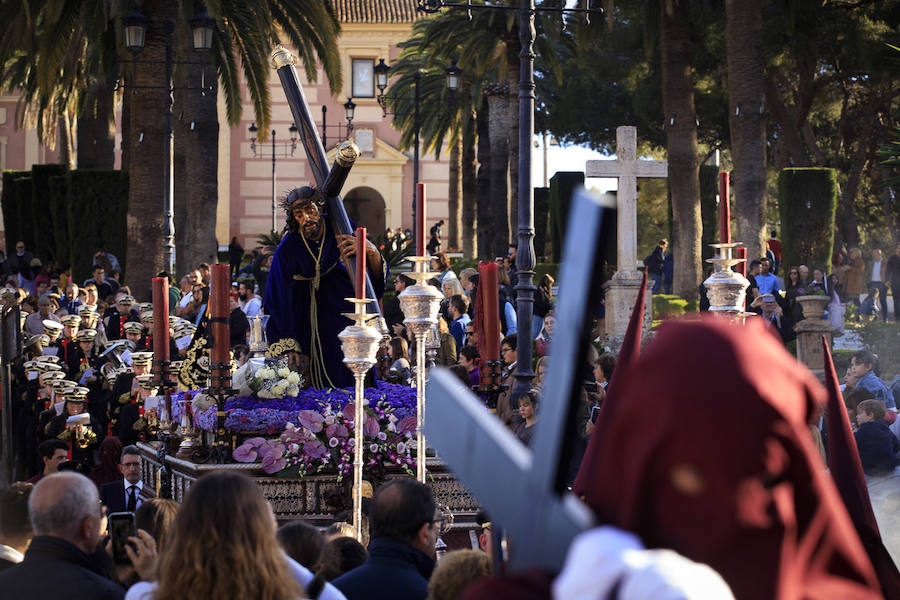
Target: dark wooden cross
<point>523,489</point>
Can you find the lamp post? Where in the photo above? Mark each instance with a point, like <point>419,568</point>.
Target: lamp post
<point>289,147</point>
<point>453,74</point>
<point>525,257</point>
<point>349,113</point>
<point>202,28</point>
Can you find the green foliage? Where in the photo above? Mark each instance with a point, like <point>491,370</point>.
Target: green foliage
<point>807,198</point>
<point>542,269</point>
<point>882,339</point>
<point>667,306</point>
<point>96,205</point>
<point>395,259</point>
<point>56,187</point>
<point>267,242</point>
<point>562,185</point>
<point>23,194</point>
<point>10,207</point>
<point>45,244</point>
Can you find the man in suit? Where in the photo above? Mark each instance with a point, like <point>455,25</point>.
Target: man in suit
<point>58,563</point>
<point>15,526</point>
<point>125,495</point>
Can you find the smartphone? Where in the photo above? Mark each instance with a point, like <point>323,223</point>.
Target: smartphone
<point>595,411</point>
<point>121,527</point>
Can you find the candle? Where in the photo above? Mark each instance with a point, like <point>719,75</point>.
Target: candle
<point>420,219</point>
<point>160,327</point>
<point>488,292</point>
<point>218,299</point>
<point>741,267</point>
<point>360,263</point>
<point>724,208</point>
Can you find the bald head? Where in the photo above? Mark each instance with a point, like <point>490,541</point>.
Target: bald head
<point>66,505</point>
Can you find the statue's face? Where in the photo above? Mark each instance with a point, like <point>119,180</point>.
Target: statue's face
<point>309,217</point>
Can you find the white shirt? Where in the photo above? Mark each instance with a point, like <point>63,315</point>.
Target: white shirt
<point>145,590</point>
<point>11,554</point>
<point>186,299</point>
<point>139,485</point>
<point>876,271</point>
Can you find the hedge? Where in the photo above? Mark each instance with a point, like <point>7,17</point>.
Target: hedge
<point>9,201</point>
<point>96,205</point>
<point>45,244</point>
<point>807,199</point>
<point>562,185</point>
<point>57,193</point>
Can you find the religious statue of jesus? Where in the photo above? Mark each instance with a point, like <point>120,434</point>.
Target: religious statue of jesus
<point>308,285</point>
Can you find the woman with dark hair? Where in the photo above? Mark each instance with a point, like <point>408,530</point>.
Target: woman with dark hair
<point>223,545</point>
<point>304,543</point>
<point>400,358</point>
<point>543,303</point>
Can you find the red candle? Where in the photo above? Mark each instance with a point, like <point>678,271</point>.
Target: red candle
<point>489,291</point>
<point>360,262</point>
<point>741,252</point>
<point>160,323</point>
<point>218,299</point>
<point>724,208</point>
<point>420,219</point>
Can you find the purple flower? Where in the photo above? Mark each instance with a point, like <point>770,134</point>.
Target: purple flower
<point>249,450</point>
<point>315,449</point>
<point>311,420</point>
<point>333,442</point>
<point>337,430</point>
<point>407,424</point>
<point>371,427</point>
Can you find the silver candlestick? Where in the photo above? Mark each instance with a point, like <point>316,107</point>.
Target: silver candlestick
<point>359,343</point>
<point>725,288</point>
<point>420,304</point>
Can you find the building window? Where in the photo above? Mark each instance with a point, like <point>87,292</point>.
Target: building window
<point>363,78</point>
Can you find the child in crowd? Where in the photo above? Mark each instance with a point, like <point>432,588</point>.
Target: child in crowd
<point>528,405</point>
<point>878,447</point>
<point>868,310</point>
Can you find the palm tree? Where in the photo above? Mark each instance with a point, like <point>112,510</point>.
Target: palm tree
<point>681,143</point>
<point>746,93</point>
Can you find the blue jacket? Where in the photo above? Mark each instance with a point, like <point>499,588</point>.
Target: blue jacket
<point>878,448</point>
<point>870,382</point>
<point>395,571</point>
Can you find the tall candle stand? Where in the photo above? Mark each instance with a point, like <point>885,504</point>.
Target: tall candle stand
<point>359,342</point>
<point>726,289</point>
<point>420,304</point>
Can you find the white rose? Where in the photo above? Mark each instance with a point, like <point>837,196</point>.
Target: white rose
<point>277,390</point>
<point>283,372</point>
<point>293,390</point>
<point>264,373</point>
<point>293,377</point>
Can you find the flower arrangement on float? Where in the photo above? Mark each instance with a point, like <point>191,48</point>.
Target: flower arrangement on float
<point>313,430</point>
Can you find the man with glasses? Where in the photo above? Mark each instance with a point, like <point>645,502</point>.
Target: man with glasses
<point>307,288</point>
<point>506,410</point>
<point>405,527</point>
<point>125,495</point>
<point>66,517</point>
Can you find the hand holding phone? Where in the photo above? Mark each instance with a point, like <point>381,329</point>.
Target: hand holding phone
<point>121,527</point>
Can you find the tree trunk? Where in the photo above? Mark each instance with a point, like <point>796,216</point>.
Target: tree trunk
<point>97,129</point>
<point>65,137</point>
<point>144,221</point>
<point>681,142</point>
<point>199,144</point>
<point>469,190</point>
<point>513,46</point>
<point>498,126</point>
<point>455,195</point>
<point>746,86</point>
<point>484,181</point>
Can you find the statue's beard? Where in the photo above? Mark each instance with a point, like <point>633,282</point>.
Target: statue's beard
<point>311,229</point>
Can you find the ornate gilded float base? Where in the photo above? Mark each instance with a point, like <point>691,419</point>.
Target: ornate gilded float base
<point>301,498</point>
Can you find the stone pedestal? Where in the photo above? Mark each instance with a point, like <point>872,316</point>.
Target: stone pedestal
<point>809,344</point>
<point>621,294</point>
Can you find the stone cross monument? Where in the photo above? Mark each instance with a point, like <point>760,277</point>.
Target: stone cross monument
<point>623,288</point>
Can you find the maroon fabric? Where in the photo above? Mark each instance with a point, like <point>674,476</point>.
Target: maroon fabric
<point>711,456</point>
<point>530,585</point>
<point>628,355</point>
<point>847,472</point>
<point>108,468</point>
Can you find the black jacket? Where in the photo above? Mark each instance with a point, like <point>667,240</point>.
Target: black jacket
<point>53,568</point>
<point>395,571</point>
